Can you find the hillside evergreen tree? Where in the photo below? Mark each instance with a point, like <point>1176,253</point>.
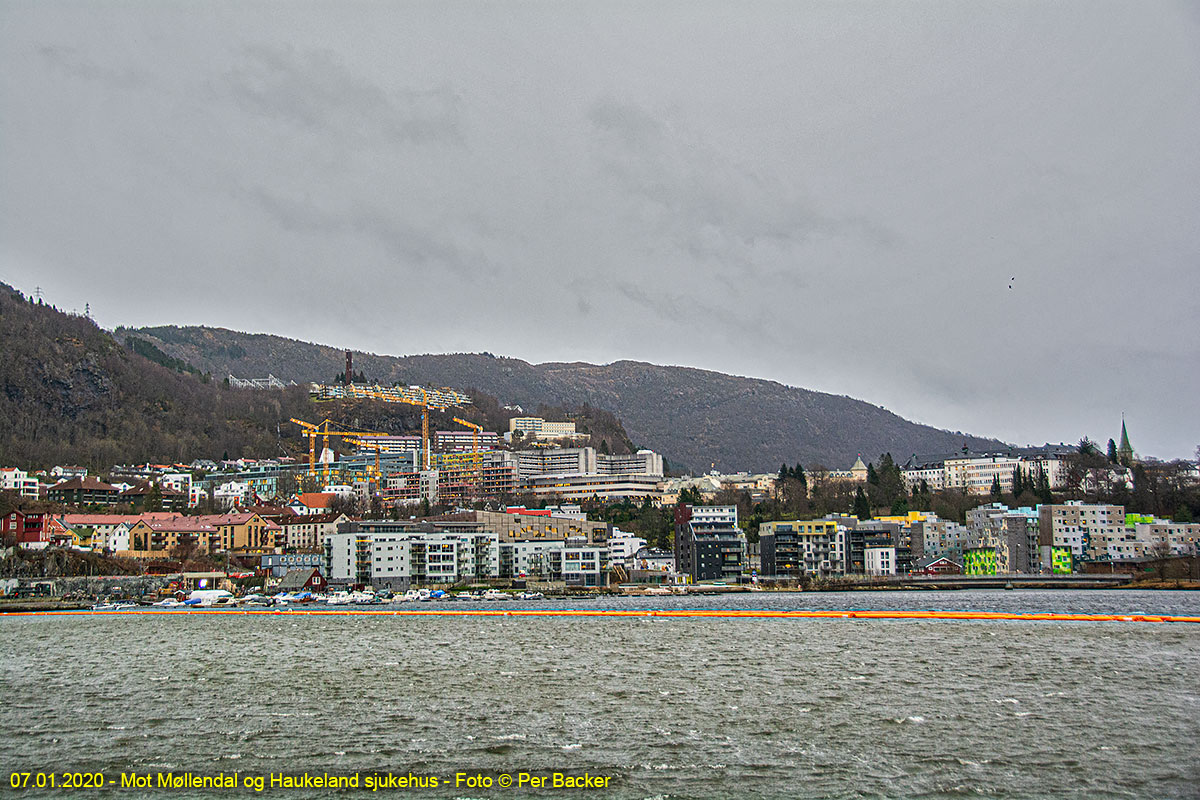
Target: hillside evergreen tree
<point>996,490</point>
<point>798,474</point>
<point>891,481</point>
<point>1042,485</point>
<point>862,506</point>
<point>154,500</point>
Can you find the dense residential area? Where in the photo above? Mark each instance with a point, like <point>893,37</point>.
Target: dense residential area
<point>535,505</point>
<point>394,486</point>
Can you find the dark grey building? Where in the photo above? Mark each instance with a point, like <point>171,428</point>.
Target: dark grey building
<point>709,546</point>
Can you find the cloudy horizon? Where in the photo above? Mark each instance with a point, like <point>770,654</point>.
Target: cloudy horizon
<point>981,217</point>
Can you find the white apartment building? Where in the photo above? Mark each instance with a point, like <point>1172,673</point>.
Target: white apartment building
<point>577,473</point>
<point>233,493</point>
<point>977,475</point>
<point>540,428</point>
<point>715,516</point>
<point>179,481</point>
<point>644,462</point>
<point>880,560</point>
<point>555,461</point>
<point>61,473</point>
<point>602,487</point>
<point>401,560</point>
<point>622,547</point>
<point>1181,538</point>
<point>17,480</point>
<point>308,532</point>
<point>934,477</point>
<point>196,496</point>
<point>577,566</point>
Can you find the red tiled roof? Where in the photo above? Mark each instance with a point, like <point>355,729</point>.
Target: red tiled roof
<point>316,499</point>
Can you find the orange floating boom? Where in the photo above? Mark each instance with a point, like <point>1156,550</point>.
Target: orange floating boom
<point>664,613</point>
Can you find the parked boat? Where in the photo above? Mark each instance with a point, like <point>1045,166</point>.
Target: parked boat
<point>206,598</point>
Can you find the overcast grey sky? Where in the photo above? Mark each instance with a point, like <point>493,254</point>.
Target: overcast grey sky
<point>831,195</point>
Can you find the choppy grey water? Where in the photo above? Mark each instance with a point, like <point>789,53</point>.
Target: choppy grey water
<point>671,708</point>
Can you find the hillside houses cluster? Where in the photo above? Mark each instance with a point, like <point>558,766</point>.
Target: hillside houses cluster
<point>386,469</point>
<point>359,527</point>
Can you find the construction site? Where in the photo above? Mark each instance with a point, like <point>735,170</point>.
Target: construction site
<point>402,469</point>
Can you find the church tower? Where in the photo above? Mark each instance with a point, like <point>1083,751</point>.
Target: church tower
<point>1125,451</point>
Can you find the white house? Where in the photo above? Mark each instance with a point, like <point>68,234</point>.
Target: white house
<point>231,494</point>
<point>17,480</point>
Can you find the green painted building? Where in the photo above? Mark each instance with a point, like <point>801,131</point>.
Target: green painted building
<point>1060,561</point>
<point>979,561</point>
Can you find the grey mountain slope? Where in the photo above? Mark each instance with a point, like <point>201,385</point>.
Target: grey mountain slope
<point>693,416</point>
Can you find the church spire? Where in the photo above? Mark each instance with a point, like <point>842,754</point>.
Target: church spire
<point>1125,451</point>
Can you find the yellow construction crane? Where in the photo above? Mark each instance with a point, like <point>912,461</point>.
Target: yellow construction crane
<point>377,474</point>
<point>310,431</point>
<point>425,399</point>
<point>476,459</point>
<point>438,401</point>
<point>322,429</point>
<point>475,430</point>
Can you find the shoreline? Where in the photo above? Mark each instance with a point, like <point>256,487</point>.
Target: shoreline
<point>857,614</point>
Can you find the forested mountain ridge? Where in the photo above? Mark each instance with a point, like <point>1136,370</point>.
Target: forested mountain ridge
<point>694,417</point>
<point>71,393</point>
